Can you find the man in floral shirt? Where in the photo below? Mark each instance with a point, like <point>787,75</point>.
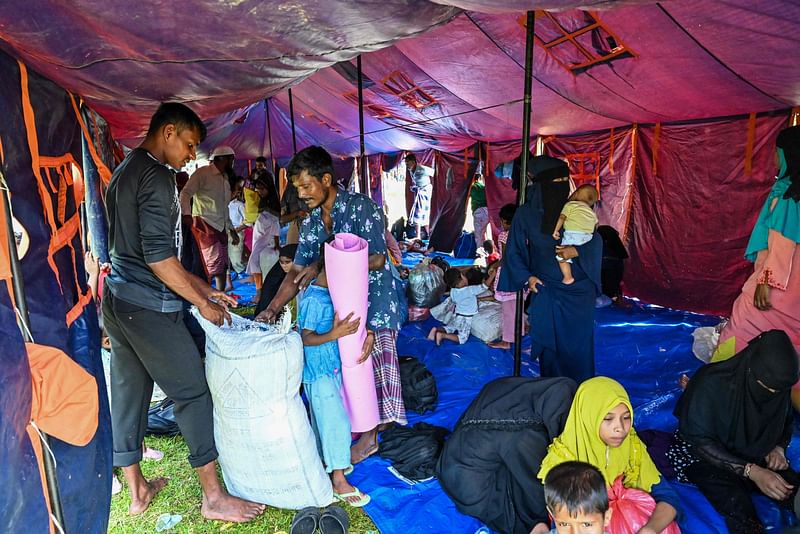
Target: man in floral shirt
<point>333,210</point>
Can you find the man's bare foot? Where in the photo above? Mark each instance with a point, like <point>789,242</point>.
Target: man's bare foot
<point>683,381</point>
<point>568,281</point>
<point>225,507</point>
<point>432,334</point>
<point>143,495</point>
<point>505,345</point>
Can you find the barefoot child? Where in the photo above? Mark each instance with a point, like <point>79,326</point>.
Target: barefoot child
<point>320,327</point>
<point>465,297</point>
<point>507,299</point>
<point>579,222</point>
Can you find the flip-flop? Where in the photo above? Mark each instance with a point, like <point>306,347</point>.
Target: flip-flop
<point>152,454</point>
<point>334,520</point>
<point>363,498</point>
<point>305,521</point>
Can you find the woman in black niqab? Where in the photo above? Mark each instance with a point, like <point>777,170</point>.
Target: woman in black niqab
<point>735,422</point>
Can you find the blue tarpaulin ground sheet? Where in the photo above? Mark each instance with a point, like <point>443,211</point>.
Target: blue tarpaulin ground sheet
<point>646,348</point>
<point>410,259</point>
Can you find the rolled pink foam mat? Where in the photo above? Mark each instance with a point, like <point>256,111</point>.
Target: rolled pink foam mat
<point>347,269</point>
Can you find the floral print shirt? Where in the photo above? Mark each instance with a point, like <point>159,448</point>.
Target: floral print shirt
<point>356,214</point>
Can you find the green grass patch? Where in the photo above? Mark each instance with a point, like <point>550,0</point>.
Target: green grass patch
<point>244,311</point>
<point>182,496</point>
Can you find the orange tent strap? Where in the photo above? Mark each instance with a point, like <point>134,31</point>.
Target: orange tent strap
<point>751,140</point>
<point>33,145</point>
<point>2,154</point>
<point>794,116</point>
<point>631,183</point>
<point>105,173</point>
<point>656,143</point>
<point>77,310</point>
<point>611,153</point>
<point>488,168</point>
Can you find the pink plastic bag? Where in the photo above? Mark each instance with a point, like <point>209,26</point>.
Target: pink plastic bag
<point>416,313</point>
<point>631,508</point>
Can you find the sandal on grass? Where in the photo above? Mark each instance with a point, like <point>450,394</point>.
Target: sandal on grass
<point>334,520</point>
<point>363,498</point>
<point>305,521</point>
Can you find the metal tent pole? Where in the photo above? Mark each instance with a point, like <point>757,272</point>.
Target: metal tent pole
<point>526,140</point>
<point>18,282</point>
<point>291,116</point>
<point>362,161</point>
<point>271,151</point>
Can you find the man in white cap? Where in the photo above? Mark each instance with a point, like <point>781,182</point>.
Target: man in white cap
<point>204,203</point>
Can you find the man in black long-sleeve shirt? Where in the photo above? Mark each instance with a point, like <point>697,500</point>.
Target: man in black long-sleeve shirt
<point>142,313</point>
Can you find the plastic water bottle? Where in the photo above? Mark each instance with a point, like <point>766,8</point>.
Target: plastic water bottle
<point>167,521</point>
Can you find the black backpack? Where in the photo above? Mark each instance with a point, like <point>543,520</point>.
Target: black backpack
<point>419,386</point>
<point>161,419</point>
<point>415,450</point>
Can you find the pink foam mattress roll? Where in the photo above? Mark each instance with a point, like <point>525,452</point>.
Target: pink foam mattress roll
<point>347,269</point>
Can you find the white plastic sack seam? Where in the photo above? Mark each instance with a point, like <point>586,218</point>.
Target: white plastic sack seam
<point>267,450</point>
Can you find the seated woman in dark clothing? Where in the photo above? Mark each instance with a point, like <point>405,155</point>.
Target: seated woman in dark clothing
<point>274,279</point>
<point>489,464</point>
<point>735,422</point>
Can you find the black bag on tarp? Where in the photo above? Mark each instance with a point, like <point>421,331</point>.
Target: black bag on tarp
<point>413,451</point>
<point>420,394</point>
<point>161,419</point>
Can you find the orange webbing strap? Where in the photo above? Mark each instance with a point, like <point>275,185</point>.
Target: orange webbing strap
<point>5,253</point>
<point>105,173</point>
<point>794,117</point>
<point>487,167</point>
<point>33,146</point>
<point>62,236</point>
<point>631,183</point>
<point>611,152</point>
<point>751,140</point>
<point>656,143</point>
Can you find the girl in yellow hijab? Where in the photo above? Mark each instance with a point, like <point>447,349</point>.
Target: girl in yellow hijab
<point>599,430</point>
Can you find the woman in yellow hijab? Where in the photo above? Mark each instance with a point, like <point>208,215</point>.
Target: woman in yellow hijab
<point>599,430</point>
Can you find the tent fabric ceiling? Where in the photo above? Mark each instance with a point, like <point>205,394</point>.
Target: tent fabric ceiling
<point>436,76</point>
<point>693,60</point>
